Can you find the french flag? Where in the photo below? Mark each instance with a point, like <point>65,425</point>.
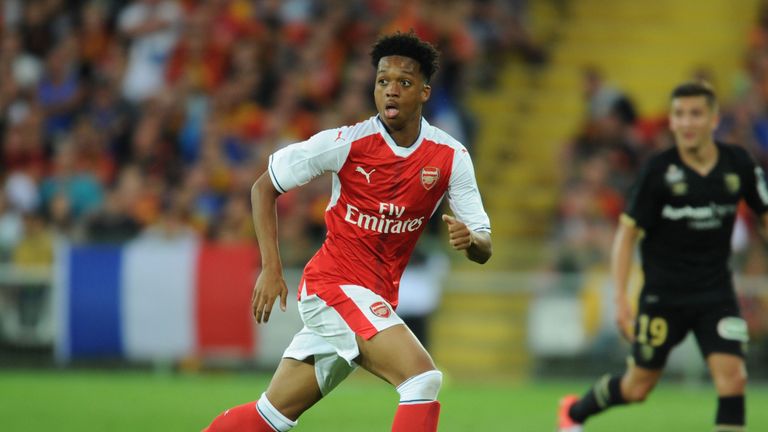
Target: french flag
<point>154,299</point>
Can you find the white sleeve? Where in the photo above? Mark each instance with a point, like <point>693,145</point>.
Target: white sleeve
<point>464,196</point>
<point>297,164</point>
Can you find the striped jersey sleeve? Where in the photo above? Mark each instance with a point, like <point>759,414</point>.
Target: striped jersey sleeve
<point>297,164</point>
<point>464,195</point>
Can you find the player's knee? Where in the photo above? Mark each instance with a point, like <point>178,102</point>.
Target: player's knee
<point>638,393</point>
<point>422,387</point>
<point>635,396</point>
<point>731,383</point>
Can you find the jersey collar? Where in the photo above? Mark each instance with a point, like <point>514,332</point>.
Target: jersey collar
<point>396,149</point>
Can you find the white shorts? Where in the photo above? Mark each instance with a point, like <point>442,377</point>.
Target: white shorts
<point>329,331</point>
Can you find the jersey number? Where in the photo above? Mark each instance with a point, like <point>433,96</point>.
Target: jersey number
<point>655,330</point>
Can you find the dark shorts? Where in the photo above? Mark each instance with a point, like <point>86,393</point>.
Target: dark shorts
<point>718,327</point>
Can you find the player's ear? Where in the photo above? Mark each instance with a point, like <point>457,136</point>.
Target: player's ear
<point>426,91</point>
<point>715,119</point>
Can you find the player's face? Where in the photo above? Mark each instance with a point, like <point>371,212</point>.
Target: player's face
<point>400,91</point>
<point>692,121</point>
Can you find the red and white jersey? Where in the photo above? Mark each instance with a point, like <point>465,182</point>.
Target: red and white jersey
<point>382,197</point>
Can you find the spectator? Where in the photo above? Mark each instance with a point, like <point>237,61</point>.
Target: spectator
<point>599,95</point>
<point>94,38</point>
<point>173,223</point>
<point>11,229</point>
<point>59,215</point>
<point>25,68</point>
<point>197,62</point>
<point>234,224</point>
<point>151,26</point>
<point>59,91</point>
<point>81,189</point>
<point>36,247</point>
<point>21,192</point>
<point>111,117</point>
<point>112,223</point>
<point>142,97</point>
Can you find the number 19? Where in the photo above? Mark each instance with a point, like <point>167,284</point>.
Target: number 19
<point>656,329</point>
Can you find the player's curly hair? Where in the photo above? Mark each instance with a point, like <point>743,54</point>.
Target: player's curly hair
<point>407,45</point>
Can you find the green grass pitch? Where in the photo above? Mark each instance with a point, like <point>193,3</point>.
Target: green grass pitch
<point>44,401</point>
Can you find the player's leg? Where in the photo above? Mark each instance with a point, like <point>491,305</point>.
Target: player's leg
<point>730,377</point>
<point>365,331</point>
<point>722,336</point>
<point>397,356</point>
<point>293,390</point>
<point>637,383</point>
<point>318,358</point>
<point>609,391</point>
<point>310,368</point>
<point>657,331</point>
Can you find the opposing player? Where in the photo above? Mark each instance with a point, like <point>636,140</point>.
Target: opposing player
<point>390,173</point>
<point>684,202</point>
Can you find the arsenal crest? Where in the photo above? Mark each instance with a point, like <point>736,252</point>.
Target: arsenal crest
<point>429,177</point>
<point>380,309</point>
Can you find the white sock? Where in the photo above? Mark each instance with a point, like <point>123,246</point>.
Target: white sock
<point>275,419</point>
<point>421,388</point>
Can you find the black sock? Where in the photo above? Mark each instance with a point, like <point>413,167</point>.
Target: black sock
<point>604,394</point>
<point>730,412</point>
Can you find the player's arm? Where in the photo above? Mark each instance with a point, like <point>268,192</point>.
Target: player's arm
<point>755,190</point>
<point>470,229</point>
<point>475,244</point>
<point>643,207</point>
<point>270,283</point>
<point>288,168</point>
<point>622,254</point>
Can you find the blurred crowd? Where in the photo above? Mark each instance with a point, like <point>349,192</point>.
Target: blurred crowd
<point>604,156</point>
<point>123,118</point>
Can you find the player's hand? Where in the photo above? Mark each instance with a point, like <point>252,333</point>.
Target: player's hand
<point>459,235</point>
<point>269,285</point>
<point>625,319</point>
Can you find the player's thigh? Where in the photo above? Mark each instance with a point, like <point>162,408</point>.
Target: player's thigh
<point>719,328</point>
<point>294,387</point>
<point>722,336</point>
<point>394,355</point>
<point>658,329</point>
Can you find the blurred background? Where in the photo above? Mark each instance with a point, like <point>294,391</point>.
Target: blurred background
<point>131,132</point>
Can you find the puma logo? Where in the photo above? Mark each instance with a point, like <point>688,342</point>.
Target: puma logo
<point>366,174</point>
<point>338,137</point>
